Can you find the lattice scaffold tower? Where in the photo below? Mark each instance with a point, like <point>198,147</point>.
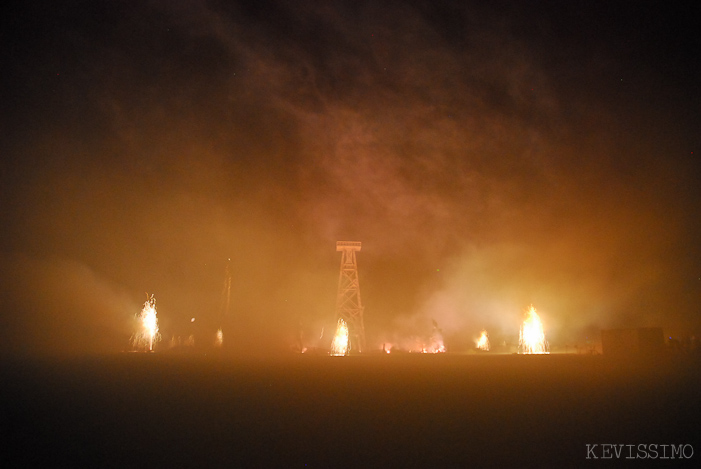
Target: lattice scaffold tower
<point>348,304</point>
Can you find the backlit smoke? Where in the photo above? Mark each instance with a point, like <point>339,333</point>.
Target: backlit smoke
<point>412,336</point>
<point>436,344</point>
<point>339,346</point>
<point>148,333</point>
<point>532,337</point>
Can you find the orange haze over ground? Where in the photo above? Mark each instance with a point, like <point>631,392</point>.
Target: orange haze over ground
<point>488,158</point>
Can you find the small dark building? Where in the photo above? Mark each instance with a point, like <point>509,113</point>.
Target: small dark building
<point>631,342</point>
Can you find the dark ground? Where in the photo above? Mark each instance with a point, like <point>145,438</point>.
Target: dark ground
<point>160,410</point>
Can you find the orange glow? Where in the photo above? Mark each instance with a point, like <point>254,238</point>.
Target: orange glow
<point>483,341</point>
<point>219,341</point>
<point>339,347</point>
<point>148,333</point>
<point>436,347</point>
<point>532,337</point>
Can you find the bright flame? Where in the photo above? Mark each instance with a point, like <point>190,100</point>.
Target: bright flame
<point>339,346</point>
<point>220,338</point>
<point>531,337</point>
<point>483,342</point>
<point>148,333</point>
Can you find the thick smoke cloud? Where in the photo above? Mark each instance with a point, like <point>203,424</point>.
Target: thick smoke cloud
<point>487,158</point>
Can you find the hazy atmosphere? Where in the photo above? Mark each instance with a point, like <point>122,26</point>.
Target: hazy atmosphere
<point>487,157</point>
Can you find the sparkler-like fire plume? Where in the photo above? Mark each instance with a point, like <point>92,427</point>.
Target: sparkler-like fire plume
<point>148,333</point>
<point>483,342</point>
<point>339,347</point>
<point>532,337</point>
<point>219,341</point>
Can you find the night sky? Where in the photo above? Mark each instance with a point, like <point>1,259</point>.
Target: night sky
<point>487,157</point>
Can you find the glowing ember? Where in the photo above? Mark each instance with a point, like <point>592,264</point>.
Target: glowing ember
<point>531,337</point>
<point>148,333</point>
<point>339,346</point>
<point>220,338</point>
<point>483,342</point>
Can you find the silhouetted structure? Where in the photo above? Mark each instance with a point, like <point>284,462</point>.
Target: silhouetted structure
<point>631,342</point>
<point>348,304</point>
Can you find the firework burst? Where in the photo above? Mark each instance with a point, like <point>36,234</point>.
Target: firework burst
<point>148,333</point>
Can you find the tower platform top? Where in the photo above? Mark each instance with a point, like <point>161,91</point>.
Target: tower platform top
<point>347,245</point>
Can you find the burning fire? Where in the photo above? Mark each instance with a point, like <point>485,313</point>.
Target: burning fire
<point>531,337</point>
<point>220,338</point>
<point>416,344</point>
<point>148,334</point>
<point>436,346</point>
<point>483,342</point>
<point>339,346</point>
